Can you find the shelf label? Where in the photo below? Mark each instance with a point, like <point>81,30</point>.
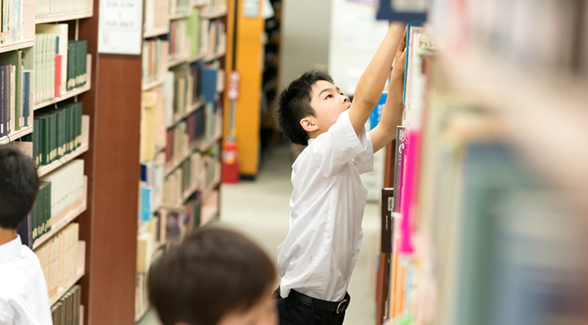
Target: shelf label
<point>120,27</point>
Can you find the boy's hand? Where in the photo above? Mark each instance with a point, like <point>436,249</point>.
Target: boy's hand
<point>400,58</point>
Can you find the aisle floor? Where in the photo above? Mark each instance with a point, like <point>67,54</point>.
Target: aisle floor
<point>260,209</point>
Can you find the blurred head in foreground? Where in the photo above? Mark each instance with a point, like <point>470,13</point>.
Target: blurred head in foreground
<point>215,276</point>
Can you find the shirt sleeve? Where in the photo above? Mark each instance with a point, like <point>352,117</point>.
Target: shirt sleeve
<point>340,146</point>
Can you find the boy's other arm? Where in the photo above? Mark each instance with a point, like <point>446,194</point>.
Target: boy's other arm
<point>370,85</point>
<point>385,131</point>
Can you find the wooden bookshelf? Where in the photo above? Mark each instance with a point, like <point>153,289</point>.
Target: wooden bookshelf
<point>17,45</point>
<point>180,15</point>
<point>16,134</point>
<point>155,32</point>
<point>64,17</point>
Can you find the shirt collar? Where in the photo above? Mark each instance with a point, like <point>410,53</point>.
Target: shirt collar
<point>10,250</point>
<point>310,140</point>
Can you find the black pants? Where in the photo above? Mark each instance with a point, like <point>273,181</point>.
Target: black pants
<point>294,312</point>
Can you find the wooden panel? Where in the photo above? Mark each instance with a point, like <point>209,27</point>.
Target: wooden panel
<point>109,226</point>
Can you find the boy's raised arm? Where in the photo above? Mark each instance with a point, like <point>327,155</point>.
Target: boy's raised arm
<point>372,81</point>
<point>392,114</point>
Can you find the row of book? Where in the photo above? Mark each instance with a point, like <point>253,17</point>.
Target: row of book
<point>59,258</point>
<point>156,15</point>
<point>154,64</point>
<point>197,130</point>
<point>15,93</point>
<point>45,8</point>
<point>60,64</point>
<point>11,21</point>
<point>68,310</point>
<point>60,192</point>
<point>184,37</point>
<point>188,176</point>
<point>398,242</point>
<point>506,29</point>
<point>214,38</point>
<point>56,132</point>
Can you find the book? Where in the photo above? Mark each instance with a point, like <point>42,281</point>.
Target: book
<point>402,10</point>
<point>401,141</point>
<point>387,206</point>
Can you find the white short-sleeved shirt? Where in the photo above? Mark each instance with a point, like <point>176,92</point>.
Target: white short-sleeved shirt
<point>23,290</point>
<point>327,205</point>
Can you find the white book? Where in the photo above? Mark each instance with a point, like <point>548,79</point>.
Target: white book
<point>61,31</point>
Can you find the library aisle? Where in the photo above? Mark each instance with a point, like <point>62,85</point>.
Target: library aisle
<point>260,210</point>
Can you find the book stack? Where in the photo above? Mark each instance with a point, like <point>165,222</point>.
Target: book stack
<point>210,167</point>
<point>12,21</point>
<point>59,7</point>
<point>155,53</point>
<point>56,133</point>
<point>15,93</point>
<point>68,310</point>
<point>59,258</point>
<point>67,189</point>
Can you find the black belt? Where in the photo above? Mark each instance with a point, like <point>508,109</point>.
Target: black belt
<point>331,306</point>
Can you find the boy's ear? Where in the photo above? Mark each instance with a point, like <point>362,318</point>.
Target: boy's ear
<point>309,124</point>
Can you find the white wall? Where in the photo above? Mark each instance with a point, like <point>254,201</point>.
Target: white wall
<point>354,38</point>
<point>305,33</point>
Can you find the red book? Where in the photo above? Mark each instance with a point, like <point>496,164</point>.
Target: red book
<point>58,62</point>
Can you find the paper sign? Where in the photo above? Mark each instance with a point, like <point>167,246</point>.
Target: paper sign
<point>120,27</point>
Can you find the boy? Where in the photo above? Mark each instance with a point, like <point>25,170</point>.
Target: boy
<point>214,277</point>
<point>328,199</point>
<point>23,290</point>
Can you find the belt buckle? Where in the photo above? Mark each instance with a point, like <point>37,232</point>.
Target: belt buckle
<point>342,306</point>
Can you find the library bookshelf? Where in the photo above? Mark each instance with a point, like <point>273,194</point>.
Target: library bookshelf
<point>198,106</point>
<point>493,164</point>
<point>78,17</point>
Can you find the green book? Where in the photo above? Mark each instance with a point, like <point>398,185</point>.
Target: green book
<point>48,205</point>
<point>79,108</point>
<point>71,64</point>
<point>72,127</point>
<point>82,50</point>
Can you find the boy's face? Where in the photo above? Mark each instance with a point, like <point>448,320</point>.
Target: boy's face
<point>264,313</point>
<point>328,103</point>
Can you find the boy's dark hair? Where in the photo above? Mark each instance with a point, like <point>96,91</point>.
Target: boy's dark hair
<point>213,272</point>
<point>19,184</point>
<point>294,104</point>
